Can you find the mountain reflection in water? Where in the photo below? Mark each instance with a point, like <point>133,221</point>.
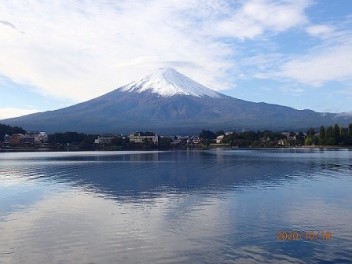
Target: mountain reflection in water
<point>214,206</point>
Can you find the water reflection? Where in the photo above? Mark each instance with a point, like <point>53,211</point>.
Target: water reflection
<point>174,207</point>
<point>151,173</point>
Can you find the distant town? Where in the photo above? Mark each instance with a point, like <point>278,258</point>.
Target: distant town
<point>17,139</point>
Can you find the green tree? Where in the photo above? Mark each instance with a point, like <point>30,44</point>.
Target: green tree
<point>343,132</point>
<point>330,140</point>
<point>71,138</point>
<point>345,140</point>
<point>322,136</point>
<point>9,130</point>
<point>147,144</point>
<point>308,141</point>
<point>350,130</point>
<point>329,132</point>
<point>164,142</point>
<point>337,134</point>
<point>120,142</point>
<point>311,138</point>
<point>300,138</point>
<point>311,132</point>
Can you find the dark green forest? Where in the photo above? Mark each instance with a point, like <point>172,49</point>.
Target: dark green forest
<point>330,136</point>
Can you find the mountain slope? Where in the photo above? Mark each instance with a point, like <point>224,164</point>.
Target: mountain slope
<point>168,102</point>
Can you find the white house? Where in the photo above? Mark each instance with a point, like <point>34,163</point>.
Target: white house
<point>104,139</point>
<point>140,137</point>
<point>219,139</point>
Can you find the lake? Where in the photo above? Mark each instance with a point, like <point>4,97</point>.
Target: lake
<point>216,206</point>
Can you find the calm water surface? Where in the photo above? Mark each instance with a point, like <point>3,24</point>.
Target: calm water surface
<point>218,206</point>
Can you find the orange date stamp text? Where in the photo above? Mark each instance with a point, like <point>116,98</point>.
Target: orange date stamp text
<point>295,235</point>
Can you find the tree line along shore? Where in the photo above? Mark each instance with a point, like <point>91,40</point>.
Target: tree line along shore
<point>17,139</point>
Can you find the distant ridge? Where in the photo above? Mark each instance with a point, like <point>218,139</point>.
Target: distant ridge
<point>169,102</point>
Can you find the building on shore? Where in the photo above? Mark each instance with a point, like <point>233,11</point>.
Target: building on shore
<point>16,139</point>
<point>219,139</point>
<point>104,139</point>
<point>35,137</point>
<point>32,138</point>
<point>140,137</point>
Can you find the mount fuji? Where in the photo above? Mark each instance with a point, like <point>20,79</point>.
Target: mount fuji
<point>168,102</point>
<point>168,82</point>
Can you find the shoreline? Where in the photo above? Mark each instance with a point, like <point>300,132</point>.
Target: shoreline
<point>222,146</point>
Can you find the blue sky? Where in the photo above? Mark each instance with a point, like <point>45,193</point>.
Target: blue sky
<point>57,53</point>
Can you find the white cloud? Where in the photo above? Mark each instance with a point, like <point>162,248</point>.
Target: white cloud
<point>325,64</point>
<point>263,62</point>
<point>9,112</point>
<point>345,114</point>
<point>320,30</point>
<point>82,49</point>
<point>256,17</point>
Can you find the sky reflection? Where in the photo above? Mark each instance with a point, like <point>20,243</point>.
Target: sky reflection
<point>193,207</point>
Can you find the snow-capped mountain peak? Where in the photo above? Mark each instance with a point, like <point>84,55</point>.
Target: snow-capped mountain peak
<point>168,82</point>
